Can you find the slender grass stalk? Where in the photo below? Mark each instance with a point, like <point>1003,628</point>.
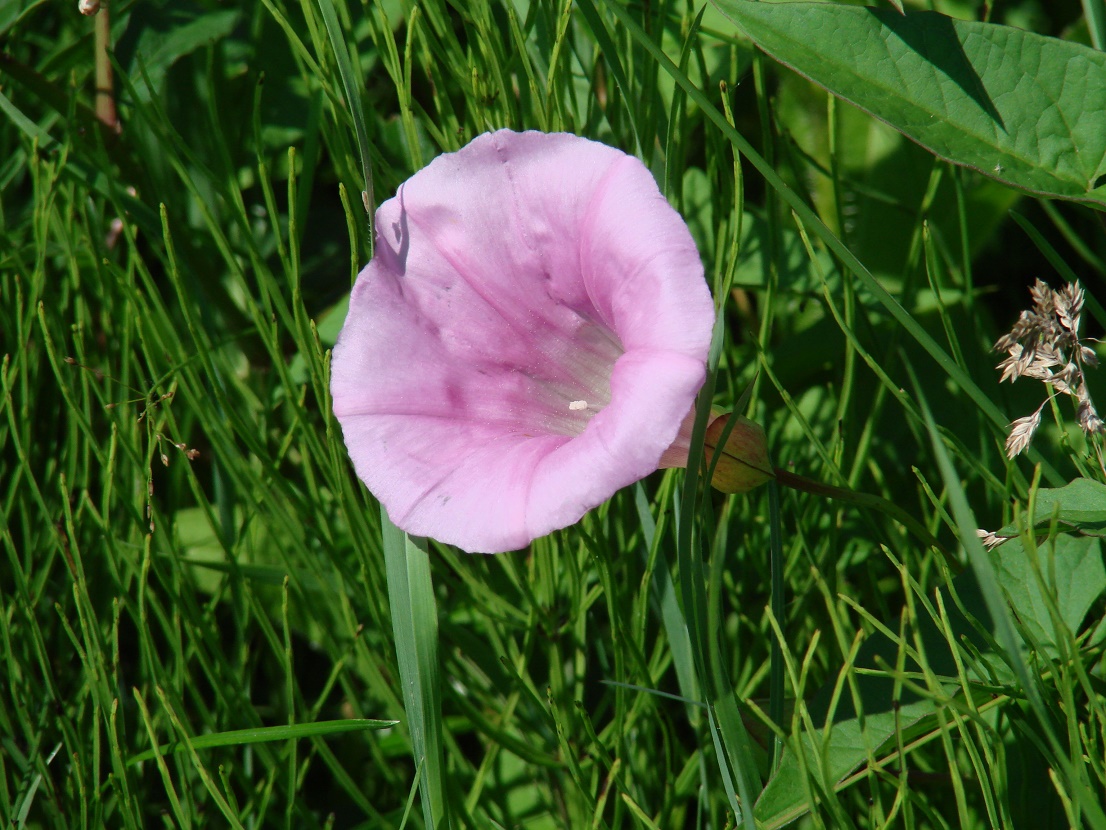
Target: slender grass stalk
<point>776,688</point>
<point>352,84</point>
<point>866,500</point>
<point>1095,12</point>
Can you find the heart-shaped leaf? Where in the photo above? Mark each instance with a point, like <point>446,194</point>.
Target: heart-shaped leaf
<point>1023,108</point>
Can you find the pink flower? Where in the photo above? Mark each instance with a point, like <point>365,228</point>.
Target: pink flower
<point>529,338</point>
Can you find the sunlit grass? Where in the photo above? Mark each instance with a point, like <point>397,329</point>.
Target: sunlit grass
<point>197,624</point>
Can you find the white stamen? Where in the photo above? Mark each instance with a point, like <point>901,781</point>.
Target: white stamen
<point>576,406</point>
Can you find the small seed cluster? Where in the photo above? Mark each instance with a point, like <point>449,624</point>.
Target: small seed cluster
<point>1044,344</point>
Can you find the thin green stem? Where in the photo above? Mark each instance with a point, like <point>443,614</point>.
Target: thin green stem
<point>1095,12</point>
<point>777,688</point>
<point>888,508</point>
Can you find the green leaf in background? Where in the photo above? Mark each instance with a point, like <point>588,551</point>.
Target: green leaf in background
<point>1019,107</point>
<point>158,35</point>
<point>14,10</point>
<point>1072,574</point>
<point>1080,504</point>
<point>1070,578</point>
<point>846,736</point>
<point>264,734</point>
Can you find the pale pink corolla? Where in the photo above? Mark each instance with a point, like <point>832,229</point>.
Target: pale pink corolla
<point>528,338</point>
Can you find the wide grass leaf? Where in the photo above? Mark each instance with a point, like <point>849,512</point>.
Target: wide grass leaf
<point>415,627</point>
<point>245,737</point>
<point>1023,108</point>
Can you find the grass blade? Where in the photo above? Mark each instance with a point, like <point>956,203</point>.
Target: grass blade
<point>352,86</point>
<point>243,737</point>
<point>415,627</point>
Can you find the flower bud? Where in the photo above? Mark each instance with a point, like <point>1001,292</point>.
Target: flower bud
<point>743,464</point>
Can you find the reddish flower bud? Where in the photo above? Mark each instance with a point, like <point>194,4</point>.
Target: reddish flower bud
<point>743,464</point>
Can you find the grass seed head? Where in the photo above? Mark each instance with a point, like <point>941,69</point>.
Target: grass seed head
<point>1044,344</point>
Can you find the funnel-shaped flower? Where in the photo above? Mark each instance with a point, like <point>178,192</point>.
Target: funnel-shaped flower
<point>528,339</point>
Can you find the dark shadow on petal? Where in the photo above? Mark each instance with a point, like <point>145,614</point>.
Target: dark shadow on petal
<point>394,243</point>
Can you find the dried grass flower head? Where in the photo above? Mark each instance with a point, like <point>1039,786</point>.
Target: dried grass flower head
<point>1044,344</point>
<point>528,338</point>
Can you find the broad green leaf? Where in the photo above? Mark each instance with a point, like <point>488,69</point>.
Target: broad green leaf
<point>1019,107</point>
<point>882,180</point>
<point>1071,572</point>
<point>1080,504</point>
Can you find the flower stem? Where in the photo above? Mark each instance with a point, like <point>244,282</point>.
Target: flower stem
<point>105,92</point>
<point>890,509</point>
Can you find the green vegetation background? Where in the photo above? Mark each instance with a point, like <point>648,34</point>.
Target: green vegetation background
<point>187,555</point>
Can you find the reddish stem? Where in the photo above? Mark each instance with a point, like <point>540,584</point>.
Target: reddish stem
<point>105,92</point>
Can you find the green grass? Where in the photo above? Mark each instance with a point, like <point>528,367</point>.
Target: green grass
<point>205,621</point>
